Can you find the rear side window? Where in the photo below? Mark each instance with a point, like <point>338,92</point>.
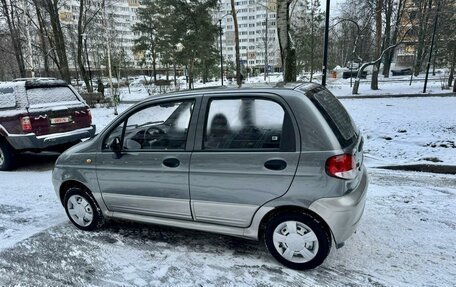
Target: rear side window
<point>50,95</point>
<point>247,124</point>
<point>336,115</point>
<point>7,98</point>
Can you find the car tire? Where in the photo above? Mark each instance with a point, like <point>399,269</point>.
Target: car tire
<point>82,209</point>
<point>297,240</point>
<point>7,156</point>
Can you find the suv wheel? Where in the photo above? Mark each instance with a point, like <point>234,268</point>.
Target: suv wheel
<point>297,240</point>
<point>7,155</point>
<point>82,209</point>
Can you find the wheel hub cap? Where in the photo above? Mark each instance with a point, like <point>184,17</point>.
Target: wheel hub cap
<point>80,210</point>
<point>295,241</point>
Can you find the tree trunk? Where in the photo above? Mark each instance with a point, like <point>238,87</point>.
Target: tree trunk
<point>236,41</point>
<point>80,48</point>
<point>453,64</point>
<point>59,39</point>
<point>154,64</point>
<point>387,38</point>
<point>434,59</point>
<point>422,34</point>
<point>15,36</point>
<point>378,43</point>
<point>390,55</point>
<point>287,50</point>
<point>312,44</point>
<point>365,65</point>
<point>190,73</point>
<point>43,37</point>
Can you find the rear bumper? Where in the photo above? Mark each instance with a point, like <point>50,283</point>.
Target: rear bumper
<point>342,214</point>
<point>31,141</point>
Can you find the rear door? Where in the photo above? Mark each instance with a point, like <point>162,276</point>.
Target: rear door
<point>245,155</point>
<point>56,109</point>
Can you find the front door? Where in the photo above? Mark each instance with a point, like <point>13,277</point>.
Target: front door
<point>246,156</point>
<point>149,176</point>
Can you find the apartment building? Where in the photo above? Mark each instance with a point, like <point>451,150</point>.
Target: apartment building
<point>256,21</point>
<point>257,33</point>
<point>120,18</point>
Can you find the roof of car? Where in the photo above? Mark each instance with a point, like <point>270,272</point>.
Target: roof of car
<point>35,83</point>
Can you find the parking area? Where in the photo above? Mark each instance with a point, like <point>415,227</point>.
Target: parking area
<point>405,238</point>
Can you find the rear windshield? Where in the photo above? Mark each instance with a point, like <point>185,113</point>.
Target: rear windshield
<point>336,115</point>
<point>51,96</point>
<point>7,98</point>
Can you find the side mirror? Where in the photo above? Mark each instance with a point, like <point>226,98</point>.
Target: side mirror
<point>116,147</point>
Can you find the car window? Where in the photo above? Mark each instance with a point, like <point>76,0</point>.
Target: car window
<point>336,115</point>
<point>51,96</point>
<point>244,123</point>
<point>157,127</point>
<point>7,98</point>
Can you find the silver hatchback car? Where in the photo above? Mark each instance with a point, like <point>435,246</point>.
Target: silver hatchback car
<point>280,164</point>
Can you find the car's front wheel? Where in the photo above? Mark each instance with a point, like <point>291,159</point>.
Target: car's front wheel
<point>82,209</point>
<point>297,240</point>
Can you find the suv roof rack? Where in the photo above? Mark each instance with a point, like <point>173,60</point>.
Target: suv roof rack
<point>34,79</point>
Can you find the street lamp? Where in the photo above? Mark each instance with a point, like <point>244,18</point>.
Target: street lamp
<point>325,48</point>
<point>221,48</point>
<point>84,37</point>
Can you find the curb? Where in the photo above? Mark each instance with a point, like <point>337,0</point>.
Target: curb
<point>398,96</point>
<point>432,168</point>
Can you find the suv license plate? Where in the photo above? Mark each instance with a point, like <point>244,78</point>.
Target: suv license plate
<point>64,120</point>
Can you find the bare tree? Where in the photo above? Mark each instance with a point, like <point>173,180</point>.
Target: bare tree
<point>392,36</point>
<point>48,13</point>
<point>10,12</point>
<point>236,43</point>
<point>378,43</point>
<point>86,16</point>
<point>423,24</point>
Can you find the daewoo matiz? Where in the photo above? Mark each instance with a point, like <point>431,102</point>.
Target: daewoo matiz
<point>282,164</point>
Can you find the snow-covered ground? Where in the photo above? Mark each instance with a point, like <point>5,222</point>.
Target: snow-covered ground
<point>405,238</point>
<point>398,85</point>
<point>391,86</point>
<point>406,130</point>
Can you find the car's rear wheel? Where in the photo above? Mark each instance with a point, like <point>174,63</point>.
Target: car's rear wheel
<point>297,240</point>
<point>82,209</point>
<point>7,156</point>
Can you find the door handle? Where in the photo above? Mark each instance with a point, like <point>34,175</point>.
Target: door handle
<point>275,164</point>
<point>171,162</point>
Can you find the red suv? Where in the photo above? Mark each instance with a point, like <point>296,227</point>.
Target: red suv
<point>40,114</point>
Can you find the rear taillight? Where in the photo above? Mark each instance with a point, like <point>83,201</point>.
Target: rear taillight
<point>89,113</point>
<point>341,166</point>
<point>26,124</point>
